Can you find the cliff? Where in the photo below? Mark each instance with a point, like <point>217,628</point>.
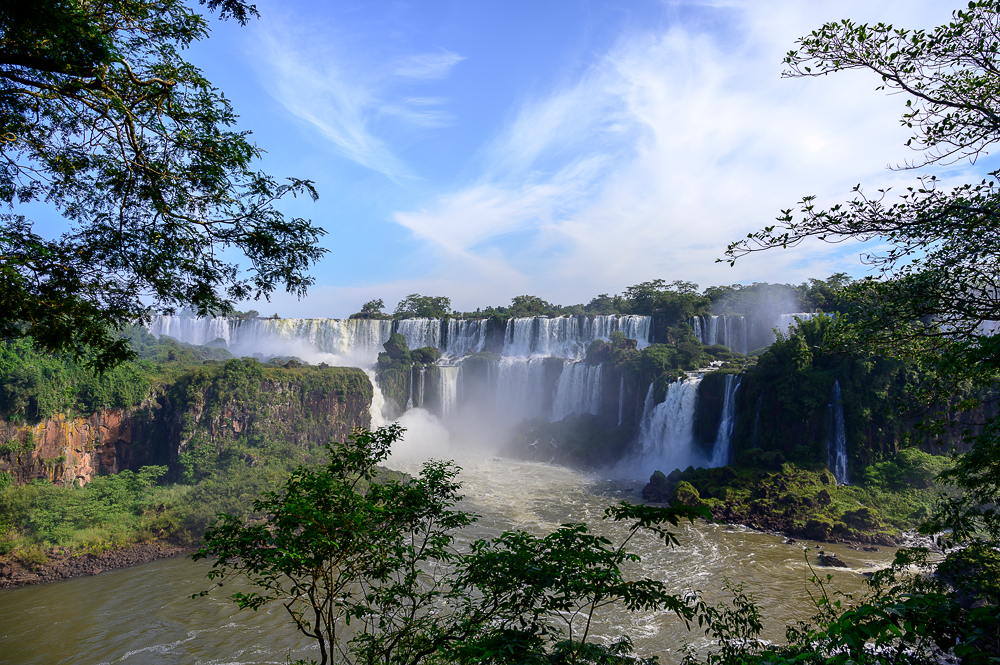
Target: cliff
<point>207,408</point>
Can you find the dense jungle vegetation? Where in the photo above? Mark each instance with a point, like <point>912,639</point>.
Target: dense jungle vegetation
<point>217,470</point>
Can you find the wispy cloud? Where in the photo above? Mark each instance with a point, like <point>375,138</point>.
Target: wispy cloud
<point>427,65</point>
<point>356,102</point>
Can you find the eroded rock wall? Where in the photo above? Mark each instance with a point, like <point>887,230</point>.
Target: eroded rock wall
<point>64,450</point>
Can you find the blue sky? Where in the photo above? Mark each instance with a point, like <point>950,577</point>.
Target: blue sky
<point>484,149</point>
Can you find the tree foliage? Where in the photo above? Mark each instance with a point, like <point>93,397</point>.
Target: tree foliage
<point>369,568</point>
<point>103,120</point>
<point>416,305</point>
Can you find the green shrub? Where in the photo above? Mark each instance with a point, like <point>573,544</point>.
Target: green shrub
<point>426,355</point>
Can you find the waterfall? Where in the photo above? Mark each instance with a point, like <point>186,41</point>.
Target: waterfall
<point>520,387</point>
<point>568,336</point>
<point>409,400</point>
<point>836,441</point>
<point>577,391</point>
<point>734,332</point>
<point>420,385</point>
<point>695,323</point>
<point>449,388</point>
<point>787,323</point>
<point>351,340</point>
<point>465,336</point>
<point>378,401</point>
<point>621,399</point>
<point>666,435</point>
<point>721,453</point>
<point>713,331</point>
<point>420,332</point>
<point>727,329</point>
<point>359,341</point>
<point>191,330</point>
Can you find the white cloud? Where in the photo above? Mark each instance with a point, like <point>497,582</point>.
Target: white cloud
<point>427,65</point>
<point>670,146</point>
<point>351,99</point>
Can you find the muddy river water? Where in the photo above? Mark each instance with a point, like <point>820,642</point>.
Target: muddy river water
<point>144,615</point>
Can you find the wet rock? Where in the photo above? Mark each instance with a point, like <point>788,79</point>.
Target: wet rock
<point>831,560</point>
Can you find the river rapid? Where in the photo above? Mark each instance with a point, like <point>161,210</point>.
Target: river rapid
<point>144,615</point>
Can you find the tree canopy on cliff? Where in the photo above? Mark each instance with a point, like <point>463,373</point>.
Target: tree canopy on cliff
<point>104,121</point>
<point>416,305</point>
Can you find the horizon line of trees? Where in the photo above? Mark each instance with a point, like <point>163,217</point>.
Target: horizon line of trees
<point>679,297</point>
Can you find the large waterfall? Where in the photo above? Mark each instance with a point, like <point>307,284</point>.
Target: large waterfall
<point>666,432</point>
<point>730,330</point>
<point>536,367</point>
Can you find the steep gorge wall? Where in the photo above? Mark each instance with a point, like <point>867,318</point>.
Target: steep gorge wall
<point>301,407</point>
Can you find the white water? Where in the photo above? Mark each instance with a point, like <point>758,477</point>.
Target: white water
<point>377,407</point>
<point>523,383</point>
<point>729,330</point>
<point>734,331</point>
<point>666,433</point>
<point>836,443</point>
<point>569,336</point>
<point>578,390</point>
<point>520,390</point>
<point>449,389</point>
<point>721,453</point>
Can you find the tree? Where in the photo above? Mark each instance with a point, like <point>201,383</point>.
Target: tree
<point>103,120</point>
<point>430,307</point>
<point>368,567</point>
<point>521,306</point>
<point>371,310</point>
<point>935,299</point>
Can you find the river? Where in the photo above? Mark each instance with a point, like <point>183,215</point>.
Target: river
<point>144,615</point>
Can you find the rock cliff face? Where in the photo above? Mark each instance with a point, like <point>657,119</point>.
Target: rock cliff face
<point>63,450</point>
<point>311,406</point>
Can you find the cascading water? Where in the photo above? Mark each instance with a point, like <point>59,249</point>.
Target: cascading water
<point>578,390</point>
<point>713,330</point>
<point>200,330</point>
<point>375,409</point>
<point>449,389</point>
<point>666,433</point>
<point>729,329</point>
<point>836,442</point>
<point>420,386</point>
<point>520,389</point>
<point>409,399</point>
<point>721,453</point>
<point>569,336</point>
<point>521,382</point>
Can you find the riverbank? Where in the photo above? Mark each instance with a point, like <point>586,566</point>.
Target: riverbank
<point>768,494</point>
<point>64,563</point>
